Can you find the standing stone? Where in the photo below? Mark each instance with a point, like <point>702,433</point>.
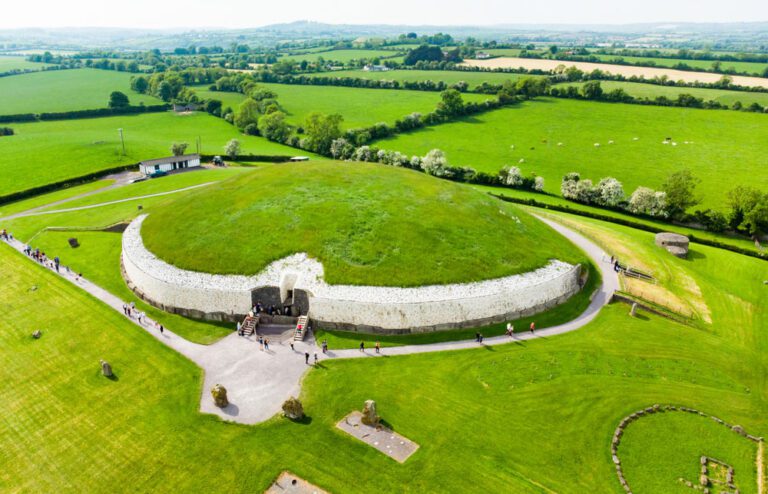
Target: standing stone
<point>37,334</point>
<point>633,310</point>
<point>106,369</point>
<point>370,417</point>
<point>219,393</point>
<point>293,409</point>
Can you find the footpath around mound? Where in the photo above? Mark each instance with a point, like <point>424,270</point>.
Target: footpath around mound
<point>258,382</point>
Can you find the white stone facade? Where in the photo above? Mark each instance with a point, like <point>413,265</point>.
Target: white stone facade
<point>388,309</point>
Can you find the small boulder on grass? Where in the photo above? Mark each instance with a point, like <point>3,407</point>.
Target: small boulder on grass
<point>370,417</point>
<point>293,409</point>
<point>219,394</point>
<point>37,334</point>
<point>106,369</point>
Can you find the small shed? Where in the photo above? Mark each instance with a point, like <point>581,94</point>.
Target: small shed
<point>674,243</point>
<point>169,164</point>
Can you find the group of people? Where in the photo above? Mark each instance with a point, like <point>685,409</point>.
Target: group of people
<point>5,235</point>
<point>42,258</point>
<point>272,310</point>
<point>130,310</point>
<point>376,346</point>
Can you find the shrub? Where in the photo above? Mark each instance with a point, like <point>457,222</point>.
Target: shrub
<point>649,202</point>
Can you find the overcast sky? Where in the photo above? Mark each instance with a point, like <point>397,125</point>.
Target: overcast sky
<point>254,13</point>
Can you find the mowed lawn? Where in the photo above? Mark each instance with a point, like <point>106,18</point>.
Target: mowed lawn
<point>447,76</point>
<point>45,152</point>
<point>725,148</point>
<point>652,91</point>
<point>359,107</point>
<point>65,90</point>
<point>529,418</point>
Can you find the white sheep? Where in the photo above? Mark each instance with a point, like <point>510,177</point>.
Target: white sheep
<point>635,138</point>
<point>610,142</point>
<point>559,143</point>
<point>521,160</point>
<point>674,144</point>
<point>665,142</point>
<point>597,144</point>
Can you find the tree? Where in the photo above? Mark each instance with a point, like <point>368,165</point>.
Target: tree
<point>213,106</point>
<point>568,185</point>
<point>139,84</point>
<point>592,90</point>
<point>749,210</point>
<point>435,163</point>
<point>321,130</point>
<point>451,103</point>
<point>647,201</point>
<point>553,49</point>
<point>679,187</point>
<point>232,149</point>
<point>178,148</point>
<point>247,113</point>
<point>510,175</point>
<point>118,100</point>
<point>424,53</point>
<point>274,127</point>
<point>610,192</point>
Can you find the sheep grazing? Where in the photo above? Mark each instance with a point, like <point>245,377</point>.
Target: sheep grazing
<point>665,142</point>
<point>512,147</point>
<point>597,144</point>
<point>674,144</point>
<point>559,143</point>
<point>521,160</point>
<point>635,138</point>
<point>610,142</point>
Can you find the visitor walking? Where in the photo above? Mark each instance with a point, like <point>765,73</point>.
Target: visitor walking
<point>140,317</point>
<point>306,358</point>
<point>378,347</point>
<point>325,346</point>
<point>239,329</point>
<point>480,338</point>
<point>161,328</point>
<point>315,358</point>
<point>533,327</point>
<point>125,308</point>
<point>477,337</point>
<point>292,349</point>
<point>362,346</point>
<point>510,329</point>
<point>261,343</point>
<point>266,344</point>
<point>56,263</point>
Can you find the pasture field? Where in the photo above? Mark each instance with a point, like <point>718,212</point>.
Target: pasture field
<point>556,398</point>
<point>640,90</point>
<point>625,70</point>
<point>447,76</point>
<point>350,218</point>
<point>19,63</point>
<point>71,148</point>
<point>359,107</point>
<point>749,68</point>
<point>344,56</point>
<point>725,148</point>
<point>65,90</point>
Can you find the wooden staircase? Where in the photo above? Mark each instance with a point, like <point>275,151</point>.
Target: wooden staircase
<point>301,329</point>
<point>249,325</point>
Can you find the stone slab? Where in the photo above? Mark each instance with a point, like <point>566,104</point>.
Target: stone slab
<point>288,483</point>
<point>390,443</point>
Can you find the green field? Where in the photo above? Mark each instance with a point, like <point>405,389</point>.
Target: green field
<point>652,91</point>
<point>67,149</point>
<point>728,147</point>
<point>359,107</point>
<point>447,76</point>
<point>749,68</point>
<point>343,56</point>
<point>551,404</point>
<point>367,224</point>
<point>8,63</point>
<point>65,90</point>
<point>502,52</point>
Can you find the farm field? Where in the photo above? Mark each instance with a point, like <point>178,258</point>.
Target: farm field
<point>359,107</point>
<point>75,89</point>
<point>19,63</point>
<point>640,90</point>
<point>71,148</point>
<point>578,386</point>
<point>717,140</point>
<point>625,70</point>
<point>447,76</point>
<point>349,220</point>
<point>750,68</point>
<point>344,56</point>
<point>502,52</point>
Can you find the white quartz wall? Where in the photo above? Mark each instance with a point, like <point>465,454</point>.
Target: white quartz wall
<point>389,308</point>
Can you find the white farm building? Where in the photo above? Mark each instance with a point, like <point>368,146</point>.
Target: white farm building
<point>169,164</point>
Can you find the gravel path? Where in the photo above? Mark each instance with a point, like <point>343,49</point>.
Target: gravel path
<point>259,381</point>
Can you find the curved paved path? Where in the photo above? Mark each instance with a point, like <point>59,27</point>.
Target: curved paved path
<point>259,381</point>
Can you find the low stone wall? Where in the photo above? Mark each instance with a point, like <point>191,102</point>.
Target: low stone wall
<point>357,308</point>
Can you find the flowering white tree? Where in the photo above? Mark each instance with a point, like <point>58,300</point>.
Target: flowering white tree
<point>538,184</point>
<point>568,185</point>
<point>434,163</point>
<point>363,153</point>
<point>510,175</point>
<point>648,201</point>
<point>585,191</point>
<point>415,162</point>
<point>232,149</point>
<point>337,147</point>
<point>610,192</point>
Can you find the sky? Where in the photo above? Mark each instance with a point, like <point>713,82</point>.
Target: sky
<point>254,13</point>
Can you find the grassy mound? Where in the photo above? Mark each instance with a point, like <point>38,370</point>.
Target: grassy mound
<point>367,224</point>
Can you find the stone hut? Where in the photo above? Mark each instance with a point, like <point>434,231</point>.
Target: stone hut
<point>676,244</point>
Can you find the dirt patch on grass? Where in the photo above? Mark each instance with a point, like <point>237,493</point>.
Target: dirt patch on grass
<point>625,70</point>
